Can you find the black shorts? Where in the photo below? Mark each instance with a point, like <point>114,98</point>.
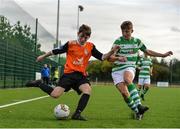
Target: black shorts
<point>73,80</point>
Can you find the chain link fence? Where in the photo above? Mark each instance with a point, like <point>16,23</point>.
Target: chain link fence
<point>18,65</point>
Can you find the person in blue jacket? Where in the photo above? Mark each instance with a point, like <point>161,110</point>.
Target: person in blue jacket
<point>45,74</point>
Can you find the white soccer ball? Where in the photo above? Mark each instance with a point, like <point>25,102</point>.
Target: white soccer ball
<point>61,111</point>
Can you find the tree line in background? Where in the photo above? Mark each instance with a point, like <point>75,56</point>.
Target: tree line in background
<point>162,71</point>
<point>17,34</point>
<point>20,35</point>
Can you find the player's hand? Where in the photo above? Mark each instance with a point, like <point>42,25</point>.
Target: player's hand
<point>40,58</point>
<point>150,73</point>
<point>115,48</point>
<point>169,53</point>
<point>122,59</point>
<point>140,68</point>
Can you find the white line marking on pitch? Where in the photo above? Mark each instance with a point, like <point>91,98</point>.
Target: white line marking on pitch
<point>24,101</point>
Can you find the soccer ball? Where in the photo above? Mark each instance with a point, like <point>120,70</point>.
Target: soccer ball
<point>61,111</point>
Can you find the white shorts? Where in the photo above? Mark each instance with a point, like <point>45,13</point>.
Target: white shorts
<point>118,76</point>
<point>143,81</point>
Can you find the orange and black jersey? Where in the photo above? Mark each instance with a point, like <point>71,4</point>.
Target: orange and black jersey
<point>77,56</point>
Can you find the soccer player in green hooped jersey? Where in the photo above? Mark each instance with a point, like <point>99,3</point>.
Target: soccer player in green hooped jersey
<point>144,79</point>
<point>123,71</point>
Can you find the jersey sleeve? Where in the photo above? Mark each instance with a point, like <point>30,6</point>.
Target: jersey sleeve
<point>61,49</point>
<point>151,64</point>
<point>139,62</point>
<point>97,54</point>
<point>142,47</point>
<point>116,42</point>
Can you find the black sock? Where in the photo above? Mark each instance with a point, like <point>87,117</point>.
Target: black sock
<point>46,88</point>
<point>82,103</point>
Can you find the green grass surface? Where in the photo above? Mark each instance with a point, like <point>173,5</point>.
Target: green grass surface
<point>106,109</point>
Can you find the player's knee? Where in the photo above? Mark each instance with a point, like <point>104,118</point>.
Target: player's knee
<point>58,91</point>
<point>139,86</point>
<point>128,81</point>
<point>147,86</point>
<point>87,90</point>
<point>55,95</point>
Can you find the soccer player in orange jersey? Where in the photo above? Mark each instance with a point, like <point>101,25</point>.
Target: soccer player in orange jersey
<point>78,53</point>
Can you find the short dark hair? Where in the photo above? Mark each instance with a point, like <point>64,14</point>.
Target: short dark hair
<point>126,25</point>
<point>85,29</point>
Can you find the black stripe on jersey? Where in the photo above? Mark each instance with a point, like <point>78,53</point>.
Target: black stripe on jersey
<point>60,50</point>
<point>97,54</point>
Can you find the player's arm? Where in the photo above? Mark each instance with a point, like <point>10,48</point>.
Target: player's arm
<point>42,57</point>
<point>139,63</point>
<point>56,51</point>
<point>115,57</point>
<point>151,70</point>
<point>111,52</point>
<point>98,55</point>
<point>156,54</point>
<point>138,67</point>
<point>153,53</point>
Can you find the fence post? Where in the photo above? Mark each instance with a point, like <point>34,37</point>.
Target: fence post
<point>35,49</point>
<point>14,68</point>
<point>6,48</point>
<point>22,81</point>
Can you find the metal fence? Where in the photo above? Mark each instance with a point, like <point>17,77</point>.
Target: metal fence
<point>17,65</point>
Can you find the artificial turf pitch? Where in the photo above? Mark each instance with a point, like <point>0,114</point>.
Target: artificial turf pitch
<point>106,109</point>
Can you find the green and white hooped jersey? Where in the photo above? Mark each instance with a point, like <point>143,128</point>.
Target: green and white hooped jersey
<point>128,49</point>
<point>145,65</point>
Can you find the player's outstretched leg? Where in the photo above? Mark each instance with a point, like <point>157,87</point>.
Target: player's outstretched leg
<point>86,90</point>
<point>135,96</point>
<point>34,83</point>
<point>142,97</point>
<point>41,85</point>
<point>139,88</point>
<point>145,90</point>
<point>134,93</point>
<point>81,106</point>
<point>133,107</point>
<point>129,101</point>
<point>142,109</point>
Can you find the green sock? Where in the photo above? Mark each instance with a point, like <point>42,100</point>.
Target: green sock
<point>134,94</point>
<point>139,90</point>
<point>145,90</point>
<point>131,104</point>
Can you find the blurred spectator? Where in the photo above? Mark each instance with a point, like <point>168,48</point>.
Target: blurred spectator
<point>56,76</point>
<point>45,74</point>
